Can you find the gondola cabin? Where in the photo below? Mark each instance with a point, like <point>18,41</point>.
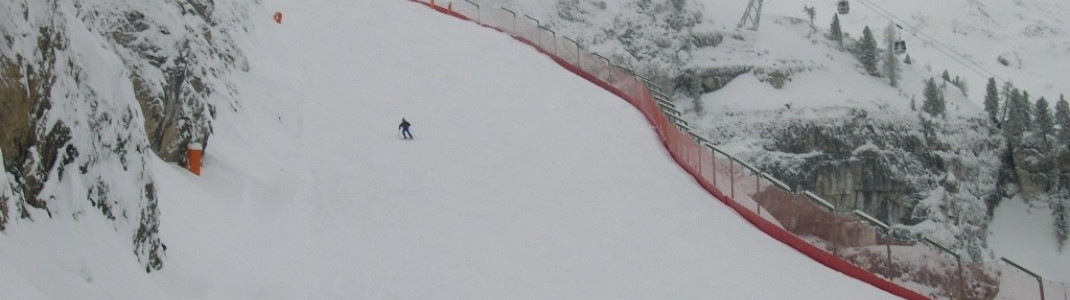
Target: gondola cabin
<point>843,7</point>
<point>900,47</point>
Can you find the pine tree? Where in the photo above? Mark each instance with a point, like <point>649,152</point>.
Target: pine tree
<point>1043,119</point>
<point>810,11</point>
<point>907,60</point>
<point>867,52</point>
<point>1062,118</point>
<point>1027,112</point>
<point>835,32</point>
<point>946,76</point>
<point>891,62</point>
<point>1062,222</point>
<point>963,88</point>
<point>1008,95</point>
<point>933,104</point>
<point>992,101</point>
<point>1013,126</point>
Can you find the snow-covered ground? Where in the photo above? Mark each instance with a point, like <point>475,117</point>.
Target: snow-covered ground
<point>1024,235</point>
<point>524,181</point>
<point>967,38</point>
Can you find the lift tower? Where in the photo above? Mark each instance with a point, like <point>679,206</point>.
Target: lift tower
<point>753,15</point>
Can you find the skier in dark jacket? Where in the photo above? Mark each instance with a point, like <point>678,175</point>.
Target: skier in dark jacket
<point>405,134</point>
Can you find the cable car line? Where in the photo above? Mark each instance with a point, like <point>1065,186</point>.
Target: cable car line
<point>954,55</point>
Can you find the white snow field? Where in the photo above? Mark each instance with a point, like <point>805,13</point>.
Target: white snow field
<point>1024,234</point>
<point>524,182</point>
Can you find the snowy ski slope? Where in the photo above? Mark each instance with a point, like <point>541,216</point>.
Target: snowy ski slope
<point>524,181</point>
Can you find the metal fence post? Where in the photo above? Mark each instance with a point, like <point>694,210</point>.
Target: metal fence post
<point>890,264</point>
<point>479,19</point>
<point>757,191</point>
<point>514,19</point>
<point>604,58</point>
<point>1040,281</point>
<point>537,26</point>
<point>836,241</point>
<point>713,164</point>
<point>554,34</point>
<point>732,175</point>
<point>961,287</point>
<point>578,63</point>
<point>698,150</point>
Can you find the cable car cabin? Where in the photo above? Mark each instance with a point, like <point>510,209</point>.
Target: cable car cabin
<point>843,7</point>
<point>900,47</point>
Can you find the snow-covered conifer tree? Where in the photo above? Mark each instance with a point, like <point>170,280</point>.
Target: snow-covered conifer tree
<point>891,62</point>
<point>1062,118</point>
<point>992,101</point>
<point>835,32</point>
<point>1008,95</point>
<point>1013,125</point>
<point>960,83</point>
<point>1062,222</point>
<point>1026,111</point>
<point>867,52</point>
<point>810,11</point>
<point>933,104</point>
<point>1042,115</point>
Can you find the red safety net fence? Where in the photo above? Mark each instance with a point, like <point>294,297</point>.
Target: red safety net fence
<point>850,242</point>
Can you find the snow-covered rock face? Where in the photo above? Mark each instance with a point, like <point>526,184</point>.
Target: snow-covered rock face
<point>884,164</point>
<point>1032,171</point>
<point>92,89</point>
<point>653,37</point>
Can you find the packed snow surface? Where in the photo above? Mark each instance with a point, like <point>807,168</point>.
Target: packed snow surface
<point>524,181</point>
<point>1023,234</point>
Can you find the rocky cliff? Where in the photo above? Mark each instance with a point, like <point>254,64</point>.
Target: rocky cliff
<point>93,91</point>
<point>937,184</point>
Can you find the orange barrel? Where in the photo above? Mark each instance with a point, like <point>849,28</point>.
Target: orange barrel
<point>193,161</point>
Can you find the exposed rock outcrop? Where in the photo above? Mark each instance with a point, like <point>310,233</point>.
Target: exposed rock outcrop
<point>884,165</point>
<point>92,91</point>
<point>1032,171</point>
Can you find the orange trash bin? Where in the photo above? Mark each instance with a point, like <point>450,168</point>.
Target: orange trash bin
<point>194,154</point>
